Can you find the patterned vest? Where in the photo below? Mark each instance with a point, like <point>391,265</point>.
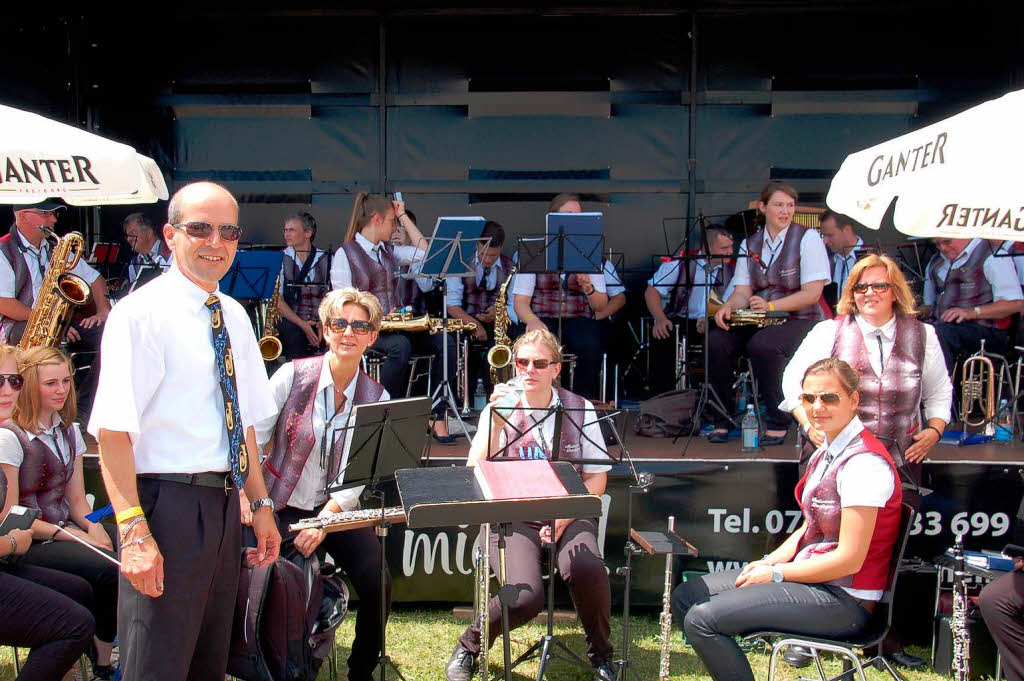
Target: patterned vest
<point>822,511</point>
<point>546,294</point>
<point>22,279</point>
<point>305,300</point>
<point>372,276</point>
<point>965,286</point>
<point>477,298</point>
<point>679,302</point>
<point>294,438</point>
<point>520,432</point>
<point>890,404</point>
<point>43,476</point>
<point>782,277</point>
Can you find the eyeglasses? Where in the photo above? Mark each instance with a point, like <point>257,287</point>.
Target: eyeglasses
<point>877,287</point>
<point>203,230</point>
<point>828,399</point>
<point>359,328</point>
<point>537,363</point>
<point>16,381</point>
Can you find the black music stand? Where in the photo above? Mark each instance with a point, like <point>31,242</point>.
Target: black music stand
<point>383,437</point>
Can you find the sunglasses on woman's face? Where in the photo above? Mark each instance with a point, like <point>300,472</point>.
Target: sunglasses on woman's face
<point>879,287</point>
<point>537,363</point>
<point>828,399</point>
<point>16,381</point>
<point>203,230</point>
<point>359,328</point>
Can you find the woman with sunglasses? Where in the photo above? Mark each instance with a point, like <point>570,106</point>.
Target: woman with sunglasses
<point>41,450</point>
<point>827,577</point>
<point>41,609</point>
<point>305,448</point>
<point>898,358</point>
<point>527,433</point>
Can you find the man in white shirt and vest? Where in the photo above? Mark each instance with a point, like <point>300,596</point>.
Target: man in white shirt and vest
<point>844,248</point>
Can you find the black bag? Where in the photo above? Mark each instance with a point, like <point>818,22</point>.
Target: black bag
<point>667,415</point>
<point>285,617</point>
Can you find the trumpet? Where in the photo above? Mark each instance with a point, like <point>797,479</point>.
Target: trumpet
<point>758,318</point>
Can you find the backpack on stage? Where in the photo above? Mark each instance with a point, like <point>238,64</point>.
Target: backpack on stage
<point>669,414</point>
<point>285,617</point>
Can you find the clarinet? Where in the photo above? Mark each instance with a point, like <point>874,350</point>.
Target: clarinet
<point>666,611</point>
<point>961,664</point>
<point>482,595</point>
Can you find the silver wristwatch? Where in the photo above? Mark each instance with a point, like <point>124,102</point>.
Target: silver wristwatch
<point>260,503</point>
<point>777,575</point>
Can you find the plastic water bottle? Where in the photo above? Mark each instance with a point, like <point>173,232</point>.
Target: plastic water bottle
<point>748,427</point>
<point>505,405</point>
<point>479,396</point>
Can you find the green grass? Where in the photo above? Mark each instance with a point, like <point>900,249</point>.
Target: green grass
<point>420,642</point>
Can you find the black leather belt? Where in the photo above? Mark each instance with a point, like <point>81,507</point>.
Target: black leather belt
<point>218,480</point>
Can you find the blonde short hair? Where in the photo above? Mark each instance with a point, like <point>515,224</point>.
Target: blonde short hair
<point>334,301</point>
<point>540,337</point>
<point>27,408</point>
<point>9,352</point>
<point>903,297</point>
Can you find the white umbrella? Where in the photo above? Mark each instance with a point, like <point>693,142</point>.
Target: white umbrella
<point>41,158</point>
<point>958,178</point>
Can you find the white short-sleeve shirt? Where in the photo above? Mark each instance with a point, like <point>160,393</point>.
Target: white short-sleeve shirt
<point>814,262</point>
<point>1000,273</point>
<point>341,270</point>
<point>12,454</point>
<point>37,260</point>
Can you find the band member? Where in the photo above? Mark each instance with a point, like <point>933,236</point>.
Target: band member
<point>44,610</point>
<point>541,300</point>
<point>686,286</point>
<point>538,360</point>
<point>149,249</point>
<point>827,577</point>
<point>368,262</point>
<point>1002,606</point>
<point>472,299</point>
<point>306,444</point>
<point>784,267</point>
<point>41,450</point>
<point>305,273</point>
<point>614,288</point>
<point>182,385</point>
<point>416,295</point>
<point>843,246</point>
<point>971,294</point>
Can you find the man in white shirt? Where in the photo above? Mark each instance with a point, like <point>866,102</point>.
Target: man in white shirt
<point>181,388</point>
<point>305,272</point>
<point>844,248</point>
<point>150,250</point>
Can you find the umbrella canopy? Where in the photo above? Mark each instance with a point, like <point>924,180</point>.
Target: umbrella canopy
<point>958,178</point>
<point>41,158</point>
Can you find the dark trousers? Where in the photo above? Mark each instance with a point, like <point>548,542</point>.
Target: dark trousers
<point>712,611</point>
<point>428,344</point>
<point>102,576</point>
<point>396,349</point>
<point>1002,606</point>
<point>47,611</point>
<point>357,552</point>
<point>294,343</point>
<point>186,632</point>
<point>584,338</point>
<point>477,360</point>
<point>962,340</point>
<point>86,357</point>
<point>663,355</point>
<point>769,350</point>
<point>582,569</point>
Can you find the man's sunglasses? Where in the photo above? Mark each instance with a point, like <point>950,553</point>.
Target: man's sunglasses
<point>828,399</point>
<point>16,381</point>
<point>880,287</point>
<point>203,230</point>
<point>537,363</point>
<point>359,328</point>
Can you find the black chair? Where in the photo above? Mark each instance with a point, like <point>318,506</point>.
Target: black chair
<point>873,634</point>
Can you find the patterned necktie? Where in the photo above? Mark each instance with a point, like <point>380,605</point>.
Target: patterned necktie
<point>485,277</point>
<point>237,454</point>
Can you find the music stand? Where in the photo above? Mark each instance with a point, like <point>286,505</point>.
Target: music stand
<point>383,437</point>
<point>252,274</point>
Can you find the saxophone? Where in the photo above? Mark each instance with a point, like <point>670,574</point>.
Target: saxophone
<point>59,294</point>
<point>666,611</point>
<point>270,344</point>
<point>961,663</point>
<point>500,356</point>
<point>482,595</point>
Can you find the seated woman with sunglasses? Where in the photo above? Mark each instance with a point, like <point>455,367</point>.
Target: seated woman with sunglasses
<point>41,609</point>
<point>41,455</point>
<point>827,577</point>
<point>898,358</point>
<point>305,447</point>
<point>528,433</point>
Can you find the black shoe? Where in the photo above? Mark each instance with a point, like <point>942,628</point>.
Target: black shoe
<point>443,439</point>
<point>797,656</point>
<point>902,658</point>
<point>718,436</point>
<point>102,672</point>
<point>773,440</point>
<point>461,665</point>
<point>604,671</point>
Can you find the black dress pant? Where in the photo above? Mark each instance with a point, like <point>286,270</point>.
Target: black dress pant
<point>86,359</point>
<point>962,340</point>
<point>102,575</point>
<point>1002,606</point>
<point>294,343</point>
<point>48,612</point>
<point>583,337</point>
<point>769,350</point>
<point>186,632</point>
<point>580,565</point>
<point>433,344</point>
<point>663,355</point>
<point>396,349</point>
<point>357,552</point>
